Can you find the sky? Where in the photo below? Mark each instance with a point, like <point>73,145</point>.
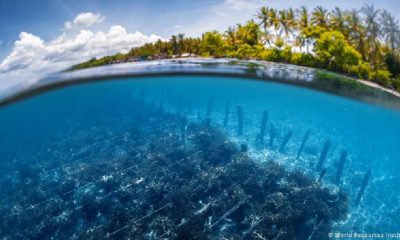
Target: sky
<point>38,37</point>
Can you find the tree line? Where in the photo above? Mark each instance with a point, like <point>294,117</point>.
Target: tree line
<point>362,43</point>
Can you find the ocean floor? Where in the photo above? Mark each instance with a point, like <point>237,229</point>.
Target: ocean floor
<point>171,179</point>
<point>157,159</point>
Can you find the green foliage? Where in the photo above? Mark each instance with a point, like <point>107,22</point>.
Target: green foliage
<point>297,58</point>
<point>246,51</point>
<point>212,44</point>
<point>264,54</point>
<point>335,52</point>
<point>287,54</point>
<point>275,55</point>
<point>279,43</point>
<point>362,70</point>
<point>381,77</point>
<point>313,32</point>
<point>348,42</point>
<point>396,83</point>
<point>392,61</point>
<point>249,33</point>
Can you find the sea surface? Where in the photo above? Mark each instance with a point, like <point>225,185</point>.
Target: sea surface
<point>77,137</point>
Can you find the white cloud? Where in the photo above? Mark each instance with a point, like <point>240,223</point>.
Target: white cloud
<point>86,19</point>
<point>32,58</point>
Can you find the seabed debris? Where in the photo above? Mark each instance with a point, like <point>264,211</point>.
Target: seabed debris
<point>175,179</point>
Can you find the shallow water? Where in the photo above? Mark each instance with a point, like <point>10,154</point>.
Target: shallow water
<point>77,123</point>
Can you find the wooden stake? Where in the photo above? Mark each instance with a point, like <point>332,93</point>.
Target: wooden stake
<point>363,186</point>
<point>240,120</point>
<point>263,125</point>
<point>324,153</point>
<point>303,144</point>
<point>226,119</point>
<point>322,174</point>
<point>285,141</point>
<point>342,161</point>
<point>272,135</point>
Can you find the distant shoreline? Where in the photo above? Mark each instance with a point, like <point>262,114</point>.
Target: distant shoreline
<point>359,43</point>
<point>193,56</point>
<point>320,80</point>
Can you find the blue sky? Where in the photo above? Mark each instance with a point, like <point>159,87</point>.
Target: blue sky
<point>45,18</point>
<point>39,36</point>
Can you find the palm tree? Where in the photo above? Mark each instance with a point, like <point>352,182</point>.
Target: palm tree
<point>372,31</point>
<point>291,18</point>
<point>174,44</point>
<point>265,15</point>
<point>231,37</point>
<point>274,20</point>
<point>282,23</point>
<point>181,43</point>
<point>320,17</point>
<point>356,32</point>
<point>304,17</point>
<point>193,45</point>
<point>248,33</point>
<point>287,22</point>
<point>159,46</point>
<point>338,20</point>
<point>303,23</point>
<point>390,29</point>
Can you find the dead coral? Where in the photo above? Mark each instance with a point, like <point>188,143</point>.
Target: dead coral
<point>171,180</point>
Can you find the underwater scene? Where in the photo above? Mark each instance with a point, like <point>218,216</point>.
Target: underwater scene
<point>197,157</point>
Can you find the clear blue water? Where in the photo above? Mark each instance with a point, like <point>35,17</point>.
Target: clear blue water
<point>33,131</point>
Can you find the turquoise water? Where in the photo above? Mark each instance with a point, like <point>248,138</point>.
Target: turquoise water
<point>75,123</point>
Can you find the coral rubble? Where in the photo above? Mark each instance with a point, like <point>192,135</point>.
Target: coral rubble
<point>166,179</point>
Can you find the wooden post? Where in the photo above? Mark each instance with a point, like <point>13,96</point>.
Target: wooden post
<point>339,172</point>
<point>272,135</point>
<point>324,153</point>
<point>303,144</point>
<point>240,120</point>
<point>262,127</point>
<point>363,186</point>
<point>322,174</point>
<point>208,112</point>
<point>285,141</point>
<point>226,119</point>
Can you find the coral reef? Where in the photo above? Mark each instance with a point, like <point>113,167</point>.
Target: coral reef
<point>165,178</point>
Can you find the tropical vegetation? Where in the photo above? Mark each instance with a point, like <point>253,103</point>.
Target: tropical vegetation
<point>362,43</point>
